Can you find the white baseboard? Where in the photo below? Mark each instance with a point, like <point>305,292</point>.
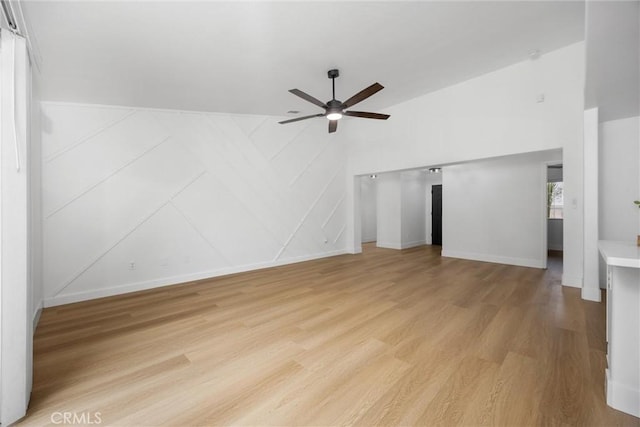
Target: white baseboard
<point>571,281</point>
<point>174,280</point>
<point>498,259</point>
<point>354,251</point>
<point>400,246</point>
<point>621,396</point>
<point>591,294</point>
<point>413,244</point>
<point>36,316</point>
<point>389,245</point>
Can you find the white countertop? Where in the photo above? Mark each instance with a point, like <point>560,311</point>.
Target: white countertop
<point>620,254</point>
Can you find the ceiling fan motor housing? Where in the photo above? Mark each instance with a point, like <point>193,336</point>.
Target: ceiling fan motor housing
<point>334,105</point>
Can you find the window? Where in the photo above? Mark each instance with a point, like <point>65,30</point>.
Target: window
<point>555,200</point>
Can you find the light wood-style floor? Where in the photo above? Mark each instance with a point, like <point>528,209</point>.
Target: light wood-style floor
<point>382,338</point>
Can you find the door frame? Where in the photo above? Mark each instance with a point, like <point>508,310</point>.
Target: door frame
<point>16,321</point>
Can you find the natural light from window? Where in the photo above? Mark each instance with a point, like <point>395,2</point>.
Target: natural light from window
<point>555,200</point>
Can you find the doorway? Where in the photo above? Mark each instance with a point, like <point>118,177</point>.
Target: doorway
<point>436,215</point>
<point>554,213</point>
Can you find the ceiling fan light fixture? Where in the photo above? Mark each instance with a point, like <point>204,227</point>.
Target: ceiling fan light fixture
<point>335,109</point>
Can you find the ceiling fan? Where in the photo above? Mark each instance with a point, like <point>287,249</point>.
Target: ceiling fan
<point>334,109</point>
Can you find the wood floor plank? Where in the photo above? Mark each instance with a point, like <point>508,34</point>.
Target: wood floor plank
<point>382,338</point>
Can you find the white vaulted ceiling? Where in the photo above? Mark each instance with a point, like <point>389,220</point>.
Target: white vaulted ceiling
<point>613,59</point>
<point>242,57</point>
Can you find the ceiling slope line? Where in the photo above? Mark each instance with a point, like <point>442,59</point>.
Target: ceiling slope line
<point>105,179</point>
<point>87,137</point>
<point>90,264</point>
<point>306,215</point>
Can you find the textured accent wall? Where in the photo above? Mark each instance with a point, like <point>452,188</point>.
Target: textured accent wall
<point>138,198</point>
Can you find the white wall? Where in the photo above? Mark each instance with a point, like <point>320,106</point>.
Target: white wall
<point>137,198</point>
<point>413,210</point>
<point>619,181</point>
<point>554,234</point>
<point>401,209</point>
<point>494,210</point>
<point>389,200</point>
<point>590,287</point>
<point>492,115</point>
<point>369,208</point>
<point>612,39</point>
<point>35,188</point>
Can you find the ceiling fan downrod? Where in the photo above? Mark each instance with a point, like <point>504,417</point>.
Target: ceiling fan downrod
<point>332,75</point>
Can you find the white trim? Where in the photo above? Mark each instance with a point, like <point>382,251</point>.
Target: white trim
<point>498,259</point>
<point>167,281</point>
<point>36,316</point>
<point>389,245</point>
<point>591,294</point>
<point>15,338</point>
<point>544,249</point>
<point>84,268</point>
<point>33,48</point>
<point>306,215</point>
<point>571,281</point>
<point>413,244</point>
<point>622,397</point>
<point>590,252</point>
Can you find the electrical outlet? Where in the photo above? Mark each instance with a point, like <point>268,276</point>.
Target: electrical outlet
<point>132,265</point>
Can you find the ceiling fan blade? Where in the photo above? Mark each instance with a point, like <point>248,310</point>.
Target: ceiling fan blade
<point>362,95</point>
<point>297,119</point>
<point>333,125</point>
<point>308,97</point>
<point>366,115</point>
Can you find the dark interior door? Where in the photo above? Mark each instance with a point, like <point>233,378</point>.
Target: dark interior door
<point>436,215</point>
